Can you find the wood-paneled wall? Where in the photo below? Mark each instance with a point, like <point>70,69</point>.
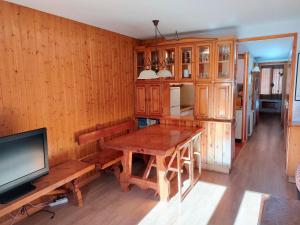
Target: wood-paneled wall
<point>63,75</point>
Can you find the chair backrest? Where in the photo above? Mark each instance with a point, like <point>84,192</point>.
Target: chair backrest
<point>102,133</point>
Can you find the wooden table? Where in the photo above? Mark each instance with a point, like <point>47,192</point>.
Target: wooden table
<point>58,176</point>
<point>157,140</point>
<point>279,211</point>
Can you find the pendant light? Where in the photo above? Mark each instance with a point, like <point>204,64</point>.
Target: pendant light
<point>256,68</point>
<point>148,73</point>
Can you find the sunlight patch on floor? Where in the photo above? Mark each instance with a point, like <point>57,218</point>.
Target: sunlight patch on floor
<point>249,209</point>
<point>197,208</point>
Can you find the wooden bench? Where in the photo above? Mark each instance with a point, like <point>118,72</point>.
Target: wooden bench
<point>53,183</point>
<point>106,157</point>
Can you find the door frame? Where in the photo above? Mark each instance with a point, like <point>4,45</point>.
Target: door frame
<point>293,64</point>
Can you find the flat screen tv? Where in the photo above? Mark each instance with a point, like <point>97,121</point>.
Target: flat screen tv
<point>23,159</point>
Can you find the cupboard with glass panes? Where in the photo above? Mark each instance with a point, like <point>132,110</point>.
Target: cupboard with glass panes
<point>209,65</point>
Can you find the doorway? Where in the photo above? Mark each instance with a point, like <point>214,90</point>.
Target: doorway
<point>265,74</point>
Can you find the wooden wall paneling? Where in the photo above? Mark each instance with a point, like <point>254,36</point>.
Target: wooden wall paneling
<point>219,137</point>
<point>227,145</point>
<point>63,75</point>
<point>211,143</point>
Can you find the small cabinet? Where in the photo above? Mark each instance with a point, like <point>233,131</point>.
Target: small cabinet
<point>154,102</point>
<point>140,61</point>
<point>148,100</point>
<point>140,99</point>
<point>217,146</point>
<point>224,61</point>
<point>155,58</point>
<point>169,61</point>
<point>186,63</point>
<point>204,59</point>
<point>203,106</point>
<point>223,101</point>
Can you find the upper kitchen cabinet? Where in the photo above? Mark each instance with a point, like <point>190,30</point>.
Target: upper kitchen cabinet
<point>224,61</point>
<point>140,60</point>
<point>204,62</point>
<point>169,61</point>
<point>186,63</point>
<point>155,58</point>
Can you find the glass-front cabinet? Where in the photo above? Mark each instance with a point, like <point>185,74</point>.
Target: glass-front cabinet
<point>169,56</point>
<point>140,60</point>
<point>186,62</point>
<point>224,61</point>
<point>155,59</point>
<point>204,62</point>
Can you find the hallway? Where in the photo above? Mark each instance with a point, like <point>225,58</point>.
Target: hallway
<point>217,199</point>
<point>260,167</point>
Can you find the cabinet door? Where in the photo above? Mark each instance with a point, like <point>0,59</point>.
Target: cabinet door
<point>203,102</point>
<point>204,62</point>
<point>140,56</point>
<point>154,100</point>
<point>224,61</point>
<point>169,61</point>
<point>140,100</point>
<point>186,63</point>
<point>223,144</point>
<point>223,101</point>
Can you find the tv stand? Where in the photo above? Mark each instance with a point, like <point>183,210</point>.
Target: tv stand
<point>16,192</point>
<point>51,184</point>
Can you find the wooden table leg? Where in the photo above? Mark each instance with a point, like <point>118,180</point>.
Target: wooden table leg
<point>77,193</point>
<point>127,169</point>
<point>163,183</point>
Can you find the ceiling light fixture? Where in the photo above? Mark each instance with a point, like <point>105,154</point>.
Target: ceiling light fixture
<point>256,68</point>
<point>148,73</point>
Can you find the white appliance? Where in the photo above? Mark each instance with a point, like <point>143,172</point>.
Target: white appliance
<point>175,101</point>
<point>238,121</point>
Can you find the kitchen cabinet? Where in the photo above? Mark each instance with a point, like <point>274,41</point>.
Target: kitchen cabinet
<point>148,100</point>
<point>204,62</point>
<point>204,98</point>
<point>186,63</point>
<point>224,61</point>
<point>217,150</point>
<point>223,101</point>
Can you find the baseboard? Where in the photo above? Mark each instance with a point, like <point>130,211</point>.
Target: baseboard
<point>216,168</point>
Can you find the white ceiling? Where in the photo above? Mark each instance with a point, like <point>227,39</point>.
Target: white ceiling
<point>133,17</point>
<point>268,50</point>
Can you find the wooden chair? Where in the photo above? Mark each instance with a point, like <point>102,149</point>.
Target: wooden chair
<point>184,156</point>
<point>106,158</point>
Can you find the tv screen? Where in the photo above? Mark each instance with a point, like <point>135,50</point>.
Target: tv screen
<point>23,158</point>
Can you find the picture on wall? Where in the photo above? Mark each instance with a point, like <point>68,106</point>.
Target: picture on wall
<point>297,89</point>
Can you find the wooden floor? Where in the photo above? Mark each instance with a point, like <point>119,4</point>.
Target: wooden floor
<point>217,199</point>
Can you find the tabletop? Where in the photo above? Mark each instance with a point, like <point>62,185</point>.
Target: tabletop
<point>153,140</point>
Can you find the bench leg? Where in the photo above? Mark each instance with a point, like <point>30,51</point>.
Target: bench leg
<point>77,193</point>
<point>127,168</point>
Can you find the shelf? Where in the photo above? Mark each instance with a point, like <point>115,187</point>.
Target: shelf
<point>224,61</point>
<point>204,62</point>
